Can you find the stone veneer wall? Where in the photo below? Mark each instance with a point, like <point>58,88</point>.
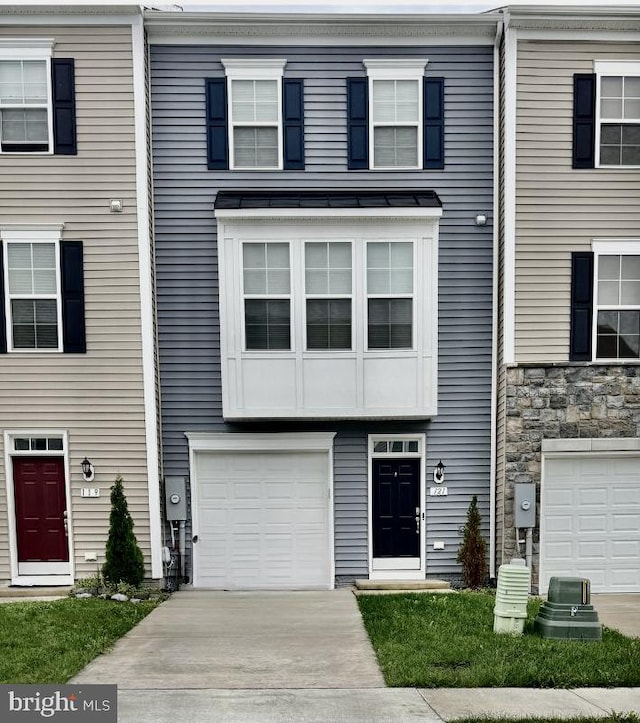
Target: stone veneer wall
<point>561,402</point>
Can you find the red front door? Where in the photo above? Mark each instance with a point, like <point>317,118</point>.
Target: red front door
<point>41,506</point>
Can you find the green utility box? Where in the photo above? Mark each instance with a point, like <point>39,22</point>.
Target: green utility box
<point>567,614</point>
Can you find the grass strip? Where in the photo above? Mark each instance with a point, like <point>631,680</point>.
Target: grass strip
<point>434,641</point>
<point>49,642</point>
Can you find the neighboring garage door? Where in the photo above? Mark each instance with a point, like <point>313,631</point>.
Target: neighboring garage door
<point>263,520</point>
<point>590,521</point>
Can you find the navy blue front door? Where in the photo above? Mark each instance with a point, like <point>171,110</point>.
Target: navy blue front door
<point>396,508</point>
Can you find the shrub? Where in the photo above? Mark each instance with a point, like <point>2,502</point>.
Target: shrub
<point>123,559</point>
<point>472,550</point>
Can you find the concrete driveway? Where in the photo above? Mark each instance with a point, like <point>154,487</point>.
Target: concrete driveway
<point>256,640</point>
<point>621,612</point>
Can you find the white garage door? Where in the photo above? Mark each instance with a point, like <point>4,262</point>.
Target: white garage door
<point>263,520</point>
<point>590,521</point>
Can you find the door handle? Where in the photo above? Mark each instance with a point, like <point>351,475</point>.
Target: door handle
<point>417,521</point>
<point>66,523</point>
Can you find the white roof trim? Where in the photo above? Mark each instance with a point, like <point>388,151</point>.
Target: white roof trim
<point>298,214</point>
<point>260,442</point>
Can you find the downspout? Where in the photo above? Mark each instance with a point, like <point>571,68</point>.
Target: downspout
<point>494,300</point>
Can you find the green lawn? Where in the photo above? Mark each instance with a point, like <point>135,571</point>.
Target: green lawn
<point>49,642</point>
<point>434,641</point>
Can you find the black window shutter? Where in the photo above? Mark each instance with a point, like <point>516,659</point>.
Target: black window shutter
<point>73,325</point>
<point>584,120</point>
<point>3,321</point>
<point>434,122</point>
<point>293,124</point>
<point>64,106</point>
<point>581,306</point>
<point>217,139</point>
<point>357,123</point>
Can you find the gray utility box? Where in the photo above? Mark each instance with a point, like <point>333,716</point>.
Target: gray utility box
<point>567,614</point>
<point>524,505</point>
<point>175,498</point>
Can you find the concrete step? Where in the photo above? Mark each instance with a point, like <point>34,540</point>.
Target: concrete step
<point>34,591</point>
<point>402,585</point>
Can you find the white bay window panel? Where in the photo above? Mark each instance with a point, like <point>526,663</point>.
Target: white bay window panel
<point>330,370</point>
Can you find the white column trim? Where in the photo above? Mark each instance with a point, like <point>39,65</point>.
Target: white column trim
<point>509,210</point>
<point>147,310</point>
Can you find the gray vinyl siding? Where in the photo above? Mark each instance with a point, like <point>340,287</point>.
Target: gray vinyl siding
<point>96,397</point>
<point>560,209</point>
<point>187,276</point>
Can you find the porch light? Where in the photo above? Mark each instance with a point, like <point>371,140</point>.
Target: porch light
<point>438,473</point>
<point>88,471</point>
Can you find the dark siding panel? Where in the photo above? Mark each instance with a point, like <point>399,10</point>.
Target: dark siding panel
<point>64,106</point>
<point>187,275</point>
<point>581,306</point>
<point>434,122</point>
<point>358,123</point>
<point>293,124</point>
<point>584,120</point>
<point>73,324</point>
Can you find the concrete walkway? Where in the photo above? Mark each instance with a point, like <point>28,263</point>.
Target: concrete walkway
<point>295,657</point>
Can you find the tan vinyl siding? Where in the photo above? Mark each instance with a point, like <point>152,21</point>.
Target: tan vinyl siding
<point>558,209</point>
<point>96,397</point>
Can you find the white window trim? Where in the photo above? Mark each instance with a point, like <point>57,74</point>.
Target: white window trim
<point>9,453</point>
<point>32,49</point>
<point>266,297</point>
<point>262,442</point>
<point>254,69</point>
<point>610,68</point>
<point>32,234</point>
<point>328,296</point>
<point>608,247</point>
<point>405,69</point>
<point>411,295</point>
<point>394,569</point>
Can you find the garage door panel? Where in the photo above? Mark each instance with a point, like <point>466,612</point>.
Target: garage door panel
<point>263,520</point>
<point>590,512</point>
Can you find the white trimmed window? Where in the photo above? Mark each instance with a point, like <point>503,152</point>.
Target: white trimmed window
<point>617,301</point>
<point>390,295</point>
<point>618,113</point>
<point>33,305</point>
<point>267,287</point>
<point>26,123</point>
<point>255,113</point>
<point>328,286</point>
<point>395,112</point>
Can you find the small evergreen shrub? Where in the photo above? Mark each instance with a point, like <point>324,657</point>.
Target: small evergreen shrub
<point>472,550</point>
<point>123,558</point>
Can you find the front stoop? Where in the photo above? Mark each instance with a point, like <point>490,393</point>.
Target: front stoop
<point>34,591</point>
<point>389,587</point>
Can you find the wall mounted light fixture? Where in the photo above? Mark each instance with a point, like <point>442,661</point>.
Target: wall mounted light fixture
<point>481,219</point>
<point>88,470</point>
<point>438,473</point>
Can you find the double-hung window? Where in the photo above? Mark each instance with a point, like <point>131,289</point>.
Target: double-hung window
<point>328,287</point>
<point>267,295</point>
<point>395,112</point>
<point>255,113</point>
<point>33,295</point>
<point>617,302</point>
<point>25,98</point>
<point>390,295</point>
<point>618,113</point>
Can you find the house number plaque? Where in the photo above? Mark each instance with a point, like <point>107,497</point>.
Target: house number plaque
<point>438,491</point>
